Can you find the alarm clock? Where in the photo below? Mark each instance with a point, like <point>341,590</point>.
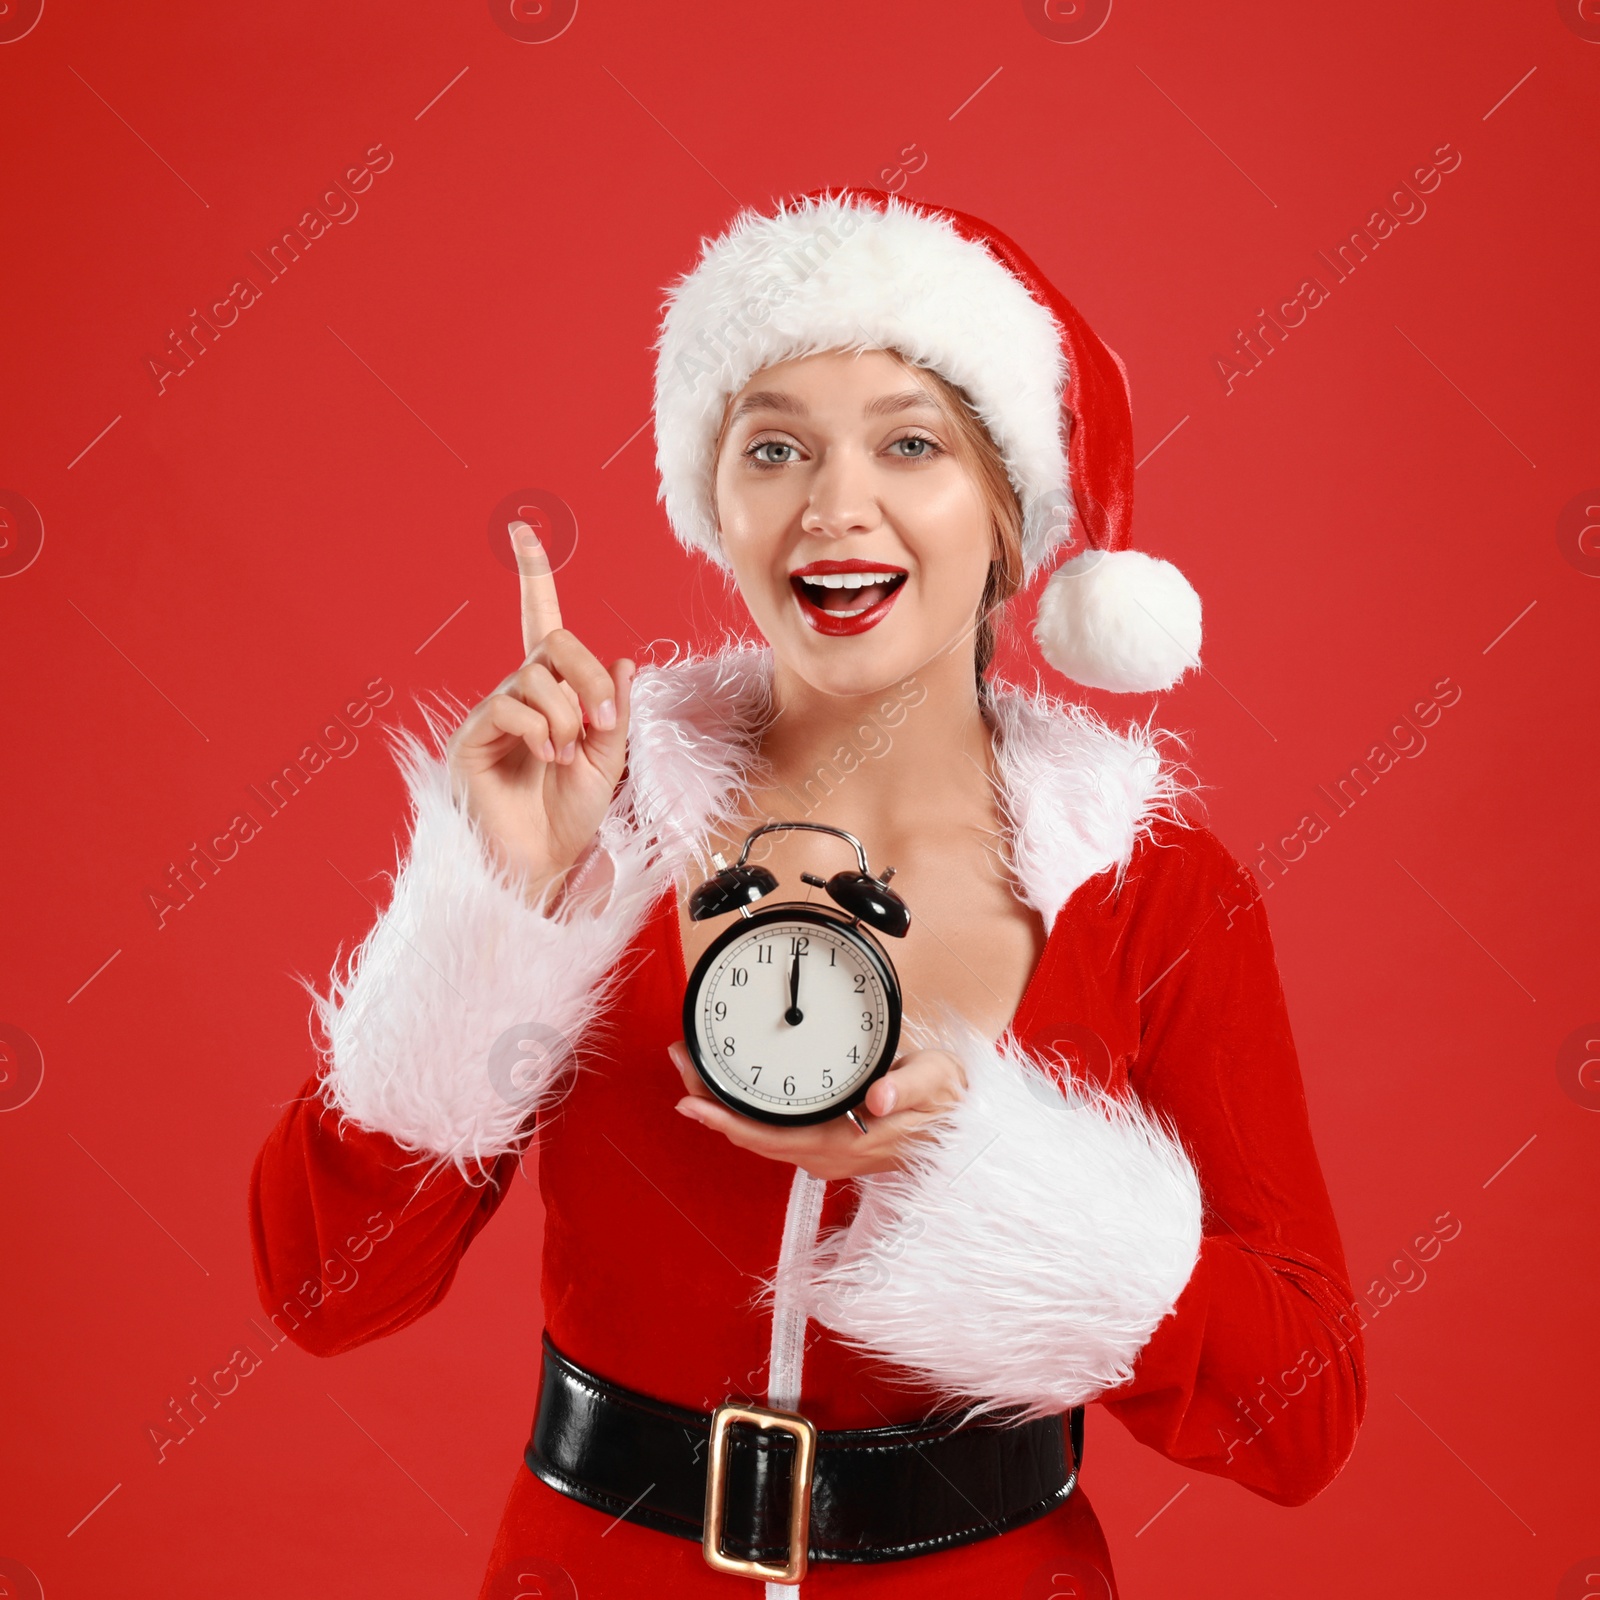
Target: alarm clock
<point>793,1012</point>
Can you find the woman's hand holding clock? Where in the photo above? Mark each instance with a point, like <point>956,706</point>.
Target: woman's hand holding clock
<point>920,1086</point>
<point>538,761</point>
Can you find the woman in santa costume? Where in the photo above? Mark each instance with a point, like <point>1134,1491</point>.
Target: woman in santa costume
<point>1089,1175</point>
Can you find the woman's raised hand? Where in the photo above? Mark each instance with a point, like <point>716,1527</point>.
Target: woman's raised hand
<point>538,761</point>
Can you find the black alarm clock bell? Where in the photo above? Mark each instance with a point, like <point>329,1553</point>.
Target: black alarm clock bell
<point>794,1011</point>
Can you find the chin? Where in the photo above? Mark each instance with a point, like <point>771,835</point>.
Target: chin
<point>858,682</point>
<point>850,668</point>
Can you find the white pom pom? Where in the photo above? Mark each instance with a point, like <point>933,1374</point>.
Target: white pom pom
<point>1119,620</point>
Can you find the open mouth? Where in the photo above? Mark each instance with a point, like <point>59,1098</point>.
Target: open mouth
<point>849,599</point>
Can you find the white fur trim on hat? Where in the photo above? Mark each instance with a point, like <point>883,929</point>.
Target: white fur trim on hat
<point>842,274</point>
<point>1119,620</point>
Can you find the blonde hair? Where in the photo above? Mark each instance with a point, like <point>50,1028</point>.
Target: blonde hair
<point>981,456</point>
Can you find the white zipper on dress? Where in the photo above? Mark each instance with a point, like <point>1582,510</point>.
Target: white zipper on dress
<point>786,1367</point>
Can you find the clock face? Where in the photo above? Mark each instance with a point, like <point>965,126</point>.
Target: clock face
<point>791,1014</point>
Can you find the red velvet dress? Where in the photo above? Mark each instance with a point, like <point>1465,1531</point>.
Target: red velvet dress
<point>659,1235</point>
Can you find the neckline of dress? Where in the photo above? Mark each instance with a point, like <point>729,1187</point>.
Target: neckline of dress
<point>1074,795</point>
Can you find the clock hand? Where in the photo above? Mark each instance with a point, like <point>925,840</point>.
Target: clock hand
<point>794,1016</point>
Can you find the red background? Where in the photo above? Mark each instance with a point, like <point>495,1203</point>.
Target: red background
<point>301,512</point>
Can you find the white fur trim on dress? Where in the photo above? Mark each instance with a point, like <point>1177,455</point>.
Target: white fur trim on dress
<point>458,1015</point>
<point>1027,1256</point>
<point>1077,794</point>
<point>693,734</point>
<point>1119,620</point>
<point>841,274</point>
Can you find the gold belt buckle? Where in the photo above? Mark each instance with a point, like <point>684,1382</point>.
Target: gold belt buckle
<point>805,1452</point>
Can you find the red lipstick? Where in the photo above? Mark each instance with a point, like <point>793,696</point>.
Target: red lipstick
<point>840,610</point>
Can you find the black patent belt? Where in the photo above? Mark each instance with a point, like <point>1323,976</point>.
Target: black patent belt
<point>764,1491</point>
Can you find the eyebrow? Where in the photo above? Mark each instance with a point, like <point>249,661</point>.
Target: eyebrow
<point>906,400</point>
<point>884,405</point>
<point>767,400</point>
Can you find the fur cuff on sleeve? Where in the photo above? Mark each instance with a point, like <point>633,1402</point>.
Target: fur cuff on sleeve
<point>1030,1252</point>
<point>457,1017</point>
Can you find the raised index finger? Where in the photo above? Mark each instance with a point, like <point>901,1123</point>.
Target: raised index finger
<point>541,612</point>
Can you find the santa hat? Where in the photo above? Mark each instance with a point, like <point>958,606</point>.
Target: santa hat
<point>851,268</point>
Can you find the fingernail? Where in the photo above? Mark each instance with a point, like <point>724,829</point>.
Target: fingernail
<point>605,715</point>
<point>887,1098</point>
<point>687,1108</point>
<point>530,556</point>
<point>549,751</point>
<point>569,749</point>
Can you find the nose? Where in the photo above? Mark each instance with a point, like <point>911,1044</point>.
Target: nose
<point>842,499</point>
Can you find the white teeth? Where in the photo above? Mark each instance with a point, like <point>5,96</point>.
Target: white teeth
<point>849,580</point>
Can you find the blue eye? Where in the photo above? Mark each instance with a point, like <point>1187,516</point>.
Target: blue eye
<point>757,452</point>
